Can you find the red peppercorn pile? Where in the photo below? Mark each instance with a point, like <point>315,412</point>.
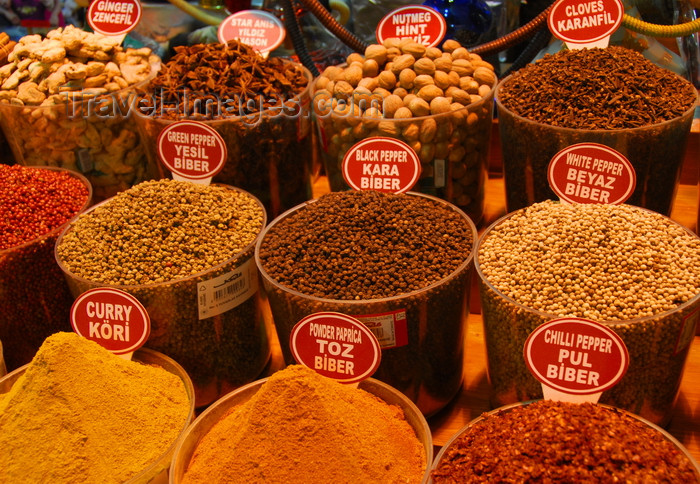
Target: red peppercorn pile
<point>34,297</point>
<point>34,201</point>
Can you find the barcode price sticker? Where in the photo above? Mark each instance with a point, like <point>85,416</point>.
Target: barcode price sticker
<point>227,291</point>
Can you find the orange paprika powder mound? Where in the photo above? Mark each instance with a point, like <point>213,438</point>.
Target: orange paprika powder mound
<point>301,427</point>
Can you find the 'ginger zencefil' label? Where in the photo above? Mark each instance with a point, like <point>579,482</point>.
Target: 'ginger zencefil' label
<point>192,151</point>
<point>111,317</point>
<point>383,164</point>
<point>591,173</point>
<point>575,356</point>
<point>257,28</point>
<point>416,22</point>
<point>585,23</point>
<point>336,345</point>
<point>114,17</point>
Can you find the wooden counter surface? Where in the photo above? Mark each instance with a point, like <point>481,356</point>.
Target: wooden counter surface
<point>473,398</point>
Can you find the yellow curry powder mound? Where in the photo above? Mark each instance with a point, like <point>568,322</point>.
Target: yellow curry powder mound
<point>301,427</point>
<point>82,414</point>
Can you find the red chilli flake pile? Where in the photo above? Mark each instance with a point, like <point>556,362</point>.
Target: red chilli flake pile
<point>562,442</point>
<point>34,201</point>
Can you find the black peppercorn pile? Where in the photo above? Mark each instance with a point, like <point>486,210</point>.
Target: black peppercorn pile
<point>365,245</point>
<point>562,442</point>
<point>611,88</point>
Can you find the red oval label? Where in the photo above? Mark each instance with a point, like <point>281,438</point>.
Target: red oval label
<point>585,22</point>
<point>192,150</point>
<point>114,17</point>
<point>421,24</point>
<point>337,346</point>
<point>111,317</point>
<point>382,164</point>
<point>576,356</point>
<point>259,29</point>
<point>591,173</point>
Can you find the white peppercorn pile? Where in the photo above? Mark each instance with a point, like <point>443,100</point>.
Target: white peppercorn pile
<point>610,263</point>
<point>365,245</point>
<point>160,231</point>
<point>549,441</point>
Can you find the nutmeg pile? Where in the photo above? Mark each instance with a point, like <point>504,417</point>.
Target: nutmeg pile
<point>439,101</point>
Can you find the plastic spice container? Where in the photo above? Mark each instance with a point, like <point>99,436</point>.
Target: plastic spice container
<point>157,471</point>
<point>655,146</point>
<point>560,441</point>
<point>420,330</point>
<point>451,141</point>
<point>595,266</point>
<point>217,411</point>
<point>34,297</point>
<point>210,321</point>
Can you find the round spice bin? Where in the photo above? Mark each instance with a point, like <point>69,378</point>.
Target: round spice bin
<point>614,97</point>
<point>289,396</point>
<point>632,269</point>
<point>265,123</point>
<point>563,442</point>
<point>185,251</point>
<point>34,298</point>
<point>399,263</point>
<point>439,102</point>
<point>78,116</point>
<point>157,471</point>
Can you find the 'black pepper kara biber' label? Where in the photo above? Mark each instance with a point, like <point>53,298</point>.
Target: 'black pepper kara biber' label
<point>381,164</point>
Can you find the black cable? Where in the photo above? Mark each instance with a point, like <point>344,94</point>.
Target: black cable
<point>291,23</point>
<point>539,41</point>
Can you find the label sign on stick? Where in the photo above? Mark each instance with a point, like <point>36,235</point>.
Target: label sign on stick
<point>111,317</point>
<point>575,357</point>
<point>336,345</point>
<point>257,28</point>
<point>416,22</point>
<point>591,173</point>
<point>192,151</point>
<point>382,164</point>
<point>585,23</point>
<point>114,17</point>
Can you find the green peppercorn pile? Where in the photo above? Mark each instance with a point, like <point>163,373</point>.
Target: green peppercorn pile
<point>610,263</point>
<point>160,231</point>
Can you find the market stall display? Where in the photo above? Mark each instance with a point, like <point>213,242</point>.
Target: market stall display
<point>439,101</point>
<point>36,203</point>
<point>66,101</point>
<point>185,251</point>
<point>629,268</point>
<point>123,429</point>
<point>612,96</point>
<point>259,107</point>
<point>299,426</point>
<point>401,264</point>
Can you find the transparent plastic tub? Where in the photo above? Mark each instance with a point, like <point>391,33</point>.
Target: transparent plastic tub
<point>429,367</point>
<point>269,153</point>
<point>35,300</point>
<point>157,471</point>
<point>656,429</point>
<point>212,415</point>
<point>655,151</point>
<point>94,136</point>
<point>219,353</point>
<point>453,149</point>
<point>652,381</point>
